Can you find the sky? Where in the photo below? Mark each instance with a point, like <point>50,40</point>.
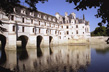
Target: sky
<point>61,6</point>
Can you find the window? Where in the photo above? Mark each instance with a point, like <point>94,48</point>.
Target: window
<point>13,28</point>
<point>23,11</point>
<point>45,17</point>
<point>39,15</point>
<point>62,26</point>
<point>76,26</point>
<point>55,32</point>
<point>60,37</point>
<point>76,32</point>
<point>46,31</point>
<point>49,18</point>
<point>45,23</point>
<point>67,32</point>
<point>23,20</point>
<point>12,17</point>
<point>33,30</point>
<point>22,29</point>
<point>32,13</point>
<point>31,21</point>
<point>39,30</point>
<point>54,20</point>
<point>67,27</point>
<point>39,22</point>
<point>83,26</point>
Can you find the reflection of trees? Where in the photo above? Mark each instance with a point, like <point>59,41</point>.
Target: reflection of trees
<point>102,51</point>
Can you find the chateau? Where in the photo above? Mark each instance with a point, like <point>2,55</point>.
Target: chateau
<point>39,29</point>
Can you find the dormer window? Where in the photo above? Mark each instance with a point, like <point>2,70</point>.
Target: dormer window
<point>39,15</point>
<point>45,17</point>
<point>12,17</point>
<point>49,18</point>
<point>31,13</point>
<point>54,20</point>
<point>23,11</point>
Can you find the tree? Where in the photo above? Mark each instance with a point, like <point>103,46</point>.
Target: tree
<point>103,8</point>
<point>99,31</point>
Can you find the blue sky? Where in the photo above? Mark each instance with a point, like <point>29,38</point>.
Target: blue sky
<point>61,6</point>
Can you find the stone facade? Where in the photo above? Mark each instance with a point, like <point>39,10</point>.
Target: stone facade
<point>40,29</point>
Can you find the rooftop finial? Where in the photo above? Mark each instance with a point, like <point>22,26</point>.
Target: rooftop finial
<point>83,17</point>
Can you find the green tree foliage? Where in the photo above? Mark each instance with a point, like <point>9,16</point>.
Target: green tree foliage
<point>100,31</point>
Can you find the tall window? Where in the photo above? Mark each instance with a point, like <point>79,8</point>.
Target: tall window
<point>76,31</point>
<point>23,20</point>
<point>31,21</point>
<point>22,29</point>
<point>67,27</point>
<point>12,17</point>
<point>45,23</point>
<point>39,30</point>
<point>55,32</point>
<point>76,26</point>
<point>33,30</point>
<point>13,28</point>
<point>39,22</point>
<point>67,32</point>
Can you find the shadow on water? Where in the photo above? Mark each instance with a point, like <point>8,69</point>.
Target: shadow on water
<point>102,51</point>
<point>3,54</point>
<point>51,52</point>
<point>22,53</point>
<point>39,52</point>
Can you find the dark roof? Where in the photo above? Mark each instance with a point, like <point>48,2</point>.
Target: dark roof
<point>19,8</point>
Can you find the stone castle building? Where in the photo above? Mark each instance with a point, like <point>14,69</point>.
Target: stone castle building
<point>39,29</point>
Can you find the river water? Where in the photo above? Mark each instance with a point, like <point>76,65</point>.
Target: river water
<point>86,58</point>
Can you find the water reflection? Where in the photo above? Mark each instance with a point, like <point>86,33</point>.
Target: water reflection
<point>53,59</point>
<point>7,61</point>
<point>57,59</point>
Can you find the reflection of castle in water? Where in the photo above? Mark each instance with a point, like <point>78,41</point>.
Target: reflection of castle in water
<point>69,59</point>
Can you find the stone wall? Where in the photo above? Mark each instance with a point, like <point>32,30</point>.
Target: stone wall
<point>98,39</point>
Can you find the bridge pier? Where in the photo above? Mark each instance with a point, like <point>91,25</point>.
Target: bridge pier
<point>31,42</point>
<point>11,42</point>
<point>45,42</point>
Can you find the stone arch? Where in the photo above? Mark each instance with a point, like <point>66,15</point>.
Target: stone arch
<point>39,40</point>
<point>24,40</point>
<point>3,41</point>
